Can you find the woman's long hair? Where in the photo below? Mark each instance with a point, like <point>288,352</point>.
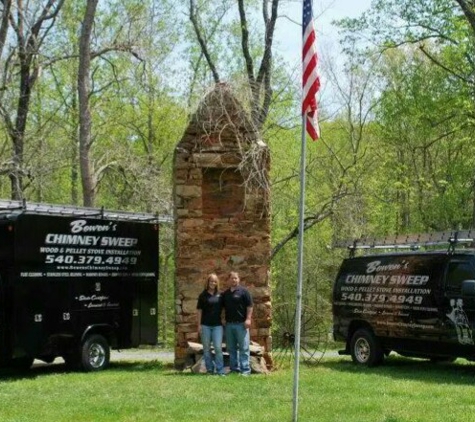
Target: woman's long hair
<point>212,276</point>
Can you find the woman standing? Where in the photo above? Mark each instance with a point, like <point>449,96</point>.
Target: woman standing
<point>209,308</point>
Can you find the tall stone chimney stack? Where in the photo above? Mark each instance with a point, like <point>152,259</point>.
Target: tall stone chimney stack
<point>221,199</point>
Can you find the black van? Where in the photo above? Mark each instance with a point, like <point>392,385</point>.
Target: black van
<point>416,303</point>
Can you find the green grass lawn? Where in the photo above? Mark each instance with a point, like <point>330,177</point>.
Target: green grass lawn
<point>334,390</point>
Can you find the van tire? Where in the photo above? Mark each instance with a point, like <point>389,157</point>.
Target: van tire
<point>365,348</point>
<point>95,353</point>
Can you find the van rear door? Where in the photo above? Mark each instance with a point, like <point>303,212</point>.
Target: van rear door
<point>459,307</point>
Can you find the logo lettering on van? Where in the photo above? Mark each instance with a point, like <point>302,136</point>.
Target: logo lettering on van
<point>376,266</point>
<point>79,226</point>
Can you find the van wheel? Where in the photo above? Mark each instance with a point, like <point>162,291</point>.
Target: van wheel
<point>95,353</point>
<point>365,348</point>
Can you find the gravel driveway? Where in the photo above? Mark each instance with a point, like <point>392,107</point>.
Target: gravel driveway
<point>142,355</point>
<point>134,355</point>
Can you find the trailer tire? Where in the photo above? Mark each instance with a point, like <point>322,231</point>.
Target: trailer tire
<point>95,353</point>
<point>365,348</point>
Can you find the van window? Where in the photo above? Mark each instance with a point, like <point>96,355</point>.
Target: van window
<point>458,272</point>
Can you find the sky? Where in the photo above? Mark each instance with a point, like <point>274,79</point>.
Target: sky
<point>288,40</point>
<point>324,12</point>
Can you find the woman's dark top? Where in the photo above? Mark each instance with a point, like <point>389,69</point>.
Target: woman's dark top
<point>211,307</point>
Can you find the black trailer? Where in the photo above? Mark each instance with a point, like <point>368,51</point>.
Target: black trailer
<point>74,283</point>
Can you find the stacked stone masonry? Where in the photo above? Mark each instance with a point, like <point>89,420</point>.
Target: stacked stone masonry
<point>222,217</point>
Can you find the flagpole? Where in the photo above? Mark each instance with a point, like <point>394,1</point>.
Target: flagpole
<point>298,309</point>
<point>310,87</point>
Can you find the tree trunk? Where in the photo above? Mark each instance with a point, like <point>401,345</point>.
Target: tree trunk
<point>75,154</point>
<point>26,82</point>
<point>16,178</point>
<point>473,204</point>
<point>30,34</point>
<point>84,88</point>
<point>7,4</point>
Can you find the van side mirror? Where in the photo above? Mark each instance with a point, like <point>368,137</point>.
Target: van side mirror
<point>468,287</point>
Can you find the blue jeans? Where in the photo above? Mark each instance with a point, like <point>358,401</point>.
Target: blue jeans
<point>212,334</point>
<point>237,343</point>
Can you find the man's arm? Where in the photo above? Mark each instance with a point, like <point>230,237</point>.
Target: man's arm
<point>247,323</point>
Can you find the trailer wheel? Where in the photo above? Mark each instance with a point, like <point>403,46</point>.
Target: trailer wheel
<point>95,353</point>
<point>365,348</point>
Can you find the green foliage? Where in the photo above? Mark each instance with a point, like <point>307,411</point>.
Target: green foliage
<point>423,118</point>
<point>396,155</point>
<point>421,131</point>
<point>392,22</point>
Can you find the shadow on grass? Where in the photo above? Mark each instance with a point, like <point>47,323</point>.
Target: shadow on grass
<point>9,375</point>
<point>141,366</point>
<point>184,373</point>
<point>460,372</point>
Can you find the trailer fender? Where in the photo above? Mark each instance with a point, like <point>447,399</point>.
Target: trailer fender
<point>106,330</point>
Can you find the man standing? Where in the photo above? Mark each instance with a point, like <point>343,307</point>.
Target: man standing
<point>238,313</point>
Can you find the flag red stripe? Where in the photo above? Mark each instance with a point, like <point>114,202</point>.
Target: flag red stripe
<point>308,43</point>
<point>310,79</point>
<point>310,102</point>
<point>311,128</point>
<point>312,65</point>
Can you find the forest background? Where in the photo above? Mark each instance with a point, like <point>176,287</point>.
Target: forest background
<point>94,96</point>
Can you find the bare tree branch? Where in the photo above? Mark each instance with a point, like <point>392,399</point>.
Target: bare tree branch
<point>7,4</point>
<point>245,46</point>
<point>438,63</point>
<point>201,41</point>
<point>325,212</point>
<point>30,35</point>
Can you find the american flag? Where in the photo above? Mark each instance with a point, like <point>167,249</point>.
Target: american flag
<point>310,80</point>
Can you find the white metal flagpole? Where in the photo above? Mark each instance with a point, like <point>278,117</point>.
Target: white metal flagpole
<point>298,308</point>
<point>310,87</point>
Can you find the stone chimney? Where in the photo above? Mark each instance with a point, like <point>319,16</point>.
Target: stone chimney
<point>221,200</point>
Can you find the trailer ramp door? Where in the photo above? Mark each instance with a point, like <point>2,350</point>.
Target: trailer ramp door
<point>145,324</point>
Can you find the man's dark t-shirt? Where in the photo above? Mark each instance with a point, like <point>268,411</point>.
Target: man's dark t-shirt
<point>211,307</point>
<point>236,303</point>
